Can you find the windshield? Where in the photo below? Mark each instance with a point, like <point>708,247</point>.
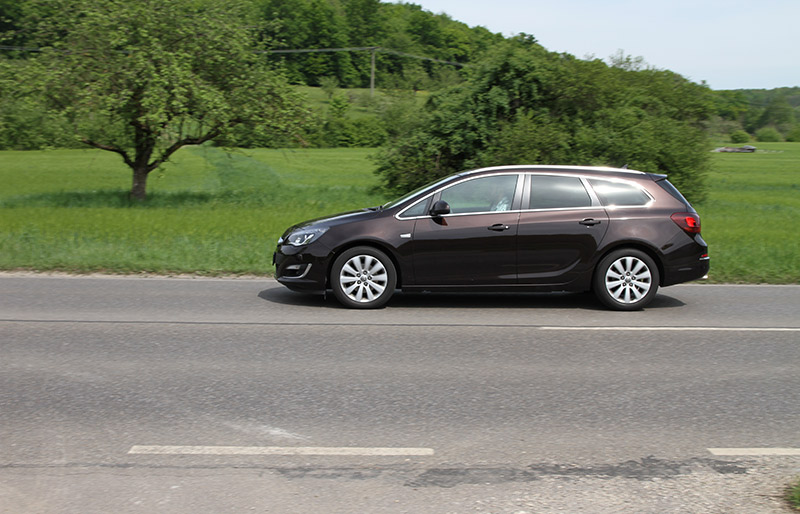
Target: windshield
<point>416,192</point>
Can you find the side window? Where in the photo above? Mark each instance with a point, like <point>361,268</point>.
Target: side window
<point>485,194</point>
<point>418,209</point>
<point>554,192</point>
<point>619,193</point>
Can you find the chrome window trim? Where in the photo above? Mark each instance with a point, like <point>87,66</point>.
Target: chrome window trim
<point>522,195</point>
<point>596,204</point>
<point>517,195</point>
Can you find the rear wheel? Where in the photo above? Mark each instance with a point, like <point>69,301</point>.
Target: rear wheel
<point>363,278</point>
<point>626,280</point>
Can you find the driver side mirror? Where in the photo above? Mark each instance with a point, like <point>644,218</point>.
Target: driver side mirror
<point>440,208</point>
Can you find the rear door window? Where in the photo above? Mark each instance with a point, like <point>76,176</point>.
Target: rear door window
<point>557,192</point>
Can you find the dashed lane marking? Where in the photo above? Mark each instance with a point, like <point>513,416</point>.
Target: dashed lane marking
<point>752,452</point>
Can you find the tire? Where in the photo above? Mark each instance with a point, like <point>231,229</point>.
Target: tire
<point>363,278</point>
<point>626,280</point>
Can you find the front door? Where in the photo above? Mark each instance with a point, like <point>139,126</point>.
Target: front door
<point>474,245</point>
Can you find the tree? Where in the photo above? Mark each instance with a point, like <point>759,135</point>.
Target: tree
<point>143,79</point>
<point>525,105</point>
<point>778,114</point>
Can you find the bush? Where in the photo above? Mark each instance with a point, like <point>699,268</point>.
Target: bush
<point>740,136</point>
<point>794,135</point>
<point>768,135</point>
<point>525,105</point>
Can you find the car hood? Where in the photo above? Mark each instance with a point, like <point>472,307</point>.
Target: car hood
<point>338,219</point>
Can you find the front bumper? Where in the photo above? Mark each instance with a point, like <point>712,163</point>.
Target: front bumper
<point>303,269</point>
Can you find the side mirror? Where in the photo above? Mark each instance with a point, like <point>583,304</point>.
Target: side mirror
<point>440,208</point>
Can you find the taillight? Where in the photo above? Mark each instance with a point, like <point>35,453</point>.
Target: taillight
<point>688,221</point>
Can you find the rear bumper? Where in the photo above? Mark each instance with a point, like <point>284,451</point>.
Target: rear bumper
<point>686,273</point>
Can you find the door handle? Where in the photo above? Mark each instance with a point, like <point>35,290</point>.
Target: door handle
<point>589,222</point>
<point>498,227</point>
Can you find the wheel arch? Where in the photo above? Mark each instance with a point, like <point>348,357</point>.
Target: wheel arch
<point>378,245</point>
<point>633,245</point>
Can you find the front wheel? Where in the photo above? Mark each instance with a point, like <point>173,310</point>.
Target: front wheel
<point>626,280</point>
<point>363,278</point>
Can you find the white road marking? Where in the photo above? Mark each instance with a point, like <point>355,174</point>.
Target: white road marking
<point>678,329</point>
<point>279,450</point>
<point>732,452</point>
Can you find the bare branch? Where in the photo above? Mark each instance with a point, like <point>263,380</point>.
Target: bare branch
<point>111,148</point>
<point>208,136</point>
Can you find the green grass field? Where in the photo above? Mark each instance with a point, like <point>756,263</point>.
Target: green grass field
<point>209,212</point>
<point>748,219</point>
<point>214,213</point>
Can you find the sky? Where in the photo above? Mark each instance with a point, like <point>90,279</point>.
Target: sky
<point>730,44</point>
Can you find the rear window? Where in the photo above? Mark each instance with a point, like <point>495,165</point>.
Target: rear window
<point>619,194</point>
<point>667,186</point>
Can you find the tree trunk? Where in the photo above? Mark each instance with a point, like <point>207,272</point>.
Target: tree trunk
<point>139,189</point>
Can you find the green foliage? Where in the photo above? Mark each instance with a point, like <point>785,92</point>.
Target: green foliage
<point>794,134</point>
<point>778,114</point>
<point>403,27</point>
<point>209,211</point>
<point>131,78</point>
<point>768,135</point>
<point>752,109</point>
<point>336,129</point>
<point>25,123</point>
<point>329,85</point>
<point>522,104</point>
<point>793,495</point>
<point>739,137</point>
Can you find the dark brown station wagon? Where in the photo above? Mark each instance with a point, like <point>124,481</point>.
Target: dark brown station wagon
<point>619,233</point>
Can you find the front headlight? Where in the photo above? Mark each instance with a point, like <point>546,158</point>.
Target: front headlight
<point>304,236</point>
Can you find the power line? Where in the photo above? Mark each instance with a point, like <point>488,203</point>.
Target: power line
<point>371,49</point>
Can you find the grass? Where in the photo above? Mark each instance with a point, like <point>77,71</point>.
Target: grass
<point>211,212</point>
<point>793,495</point>
<point>750,215</point>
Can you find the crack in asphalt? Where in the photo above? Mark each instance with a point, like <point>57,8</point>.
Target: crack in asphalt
<point>647,468</point>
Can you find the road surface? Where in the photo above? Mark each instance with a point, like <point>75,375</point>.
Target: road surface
<point>236,395</point>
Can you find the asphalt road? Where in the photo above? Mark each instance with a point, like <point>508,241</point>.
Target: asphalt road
<point>193,395</point>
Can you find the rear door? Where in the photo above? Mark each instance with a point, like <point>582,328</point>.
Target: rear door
<point>560,228</point>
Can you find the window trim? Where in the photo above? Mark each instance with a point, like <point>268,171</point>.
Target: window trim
<point>595,201</point>
<point>435,195</point>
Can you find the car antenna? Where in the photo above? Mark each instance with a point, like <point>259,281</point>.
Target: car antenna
<point>624,166</point>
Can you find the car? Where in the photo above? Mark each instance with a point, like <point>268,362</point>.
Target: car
<point>617,232</point>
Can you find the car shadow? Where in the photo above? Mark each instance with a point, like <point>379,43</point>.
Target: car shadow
<point>584,301</point>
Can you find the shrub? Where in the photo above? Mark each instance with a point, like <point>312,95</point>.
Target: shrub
<point>768,135</point>
<point>739,136</point>
<point>794,134</point>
